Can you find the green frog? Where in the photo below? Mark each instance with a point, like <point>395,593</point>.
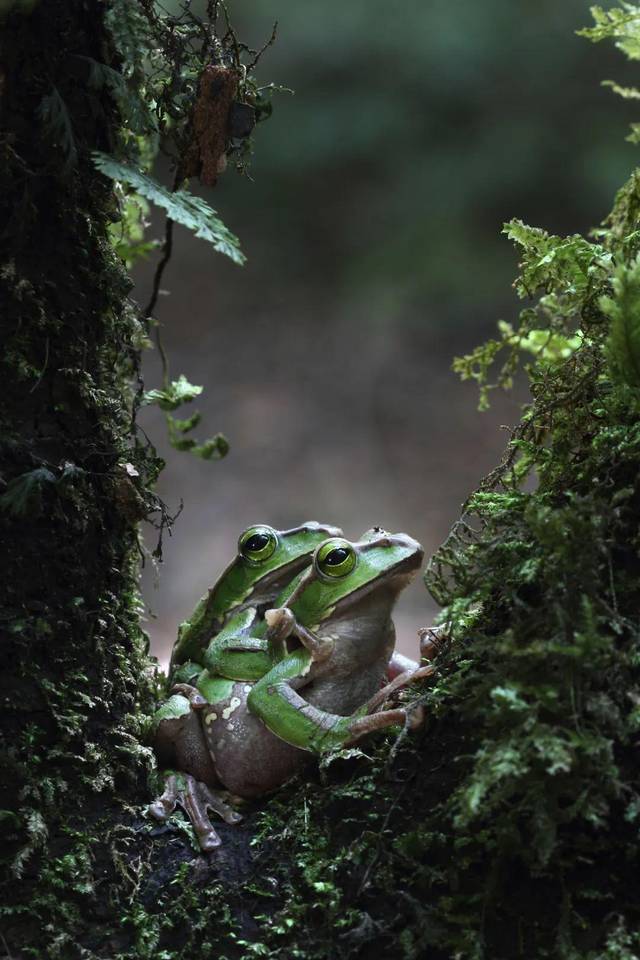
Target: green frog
<point>329,646</point>
<point>240,650</point>
<point>265,562</point>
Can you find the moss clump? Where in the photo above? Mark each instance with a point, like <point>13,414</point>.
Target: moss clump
<point>80,78</point>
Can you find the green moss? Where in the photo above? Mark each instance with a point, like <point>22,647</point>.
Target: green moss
<point>508,826</point>
<point>75,483</point>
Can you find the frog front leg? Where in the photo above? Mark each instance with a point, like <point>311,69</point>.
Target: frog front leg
<point>186,672</point>
<point>276,701</point>
<point>191,777</point>
<point>236,652</point>
<point>282,624</point>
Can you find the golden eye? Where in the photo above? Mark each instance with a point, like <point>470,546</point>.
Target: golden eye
<point>258,544</point>
<point>335,558</point>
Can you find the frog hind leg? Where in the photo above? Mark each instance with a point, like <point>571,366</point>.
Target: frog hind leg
<point>196,799</point>
<point>375,721</point>
<point>376,718</point>
<point>397,683</point>
<point>180,743</point>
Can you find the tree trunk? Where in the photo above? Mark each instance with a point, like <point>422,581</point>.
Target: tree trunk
<point>74,479</point>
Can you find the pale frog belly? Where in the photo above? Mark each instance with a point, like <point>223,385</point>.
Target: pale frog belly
<point>248,759</point>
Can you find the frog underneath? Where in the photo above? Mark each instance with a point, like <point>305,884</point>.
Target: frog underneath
<point>332,639</point>
<point>266,560</point>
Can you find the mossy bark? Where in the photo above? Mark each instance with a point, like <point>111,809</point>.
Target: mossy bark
<point>74,479</point>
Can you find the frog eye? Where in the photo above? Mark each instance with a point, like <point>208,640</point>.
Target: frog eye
<point>335,558</point>
<point>257,544</point>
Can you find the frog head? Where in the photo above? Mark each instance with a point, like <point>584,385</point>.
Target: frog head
<point>265,561</point>
<point>343,574</point>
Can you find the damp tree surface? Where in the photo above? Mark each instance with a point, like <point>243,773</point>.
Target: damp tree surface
<point>509,825</point>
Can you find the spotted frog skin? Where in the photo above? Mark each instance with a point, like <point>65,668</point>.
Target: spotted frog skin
<point>329,641</point>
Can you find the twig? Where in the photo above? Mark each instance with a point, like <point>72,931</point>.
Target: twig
<point>167,249</point>
<point>269,43</point>
<point>231,33</point>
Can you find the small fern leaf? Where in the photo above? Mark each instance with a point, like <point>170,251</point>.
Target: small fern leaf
<point>56,122</point>
<point>621,24</point>
<point>173,396</point>
<point>181,207</point>
<point>623,310</point>
<point>23,496</point>
<point>627,93</point>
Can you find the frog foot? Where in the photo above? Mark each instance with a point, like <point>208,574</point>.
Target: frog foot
<point>398,682</point>
<point>375,721</point>
<point>410,718</point>
<point>433,639</point>
<point>283,626</point>
<point>375,718</point>
<point>196,799</point>
<point>193,695</point>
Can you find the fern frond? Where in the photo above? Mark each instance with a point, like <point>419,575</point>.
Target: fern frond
<point>621,24</point>
<point>181,206</point>
<point>57,125</point>
<point>627,93</point>
<point>565,265</point>
<point>178,392</point>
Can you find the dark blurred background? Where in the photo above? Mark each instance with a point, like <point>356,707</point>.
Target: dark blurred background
<point>372,229</point>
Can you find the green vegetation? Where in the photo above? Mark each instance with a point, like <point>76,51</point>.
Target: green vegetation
<point>513,831</point>
<point>76,480</point>
<point>161,93</point>
<point>508,826</point>
<point>181,206</point>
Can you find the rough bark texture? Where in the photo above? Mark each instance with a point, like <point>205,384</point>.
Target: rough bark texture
<point>72,647</point>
